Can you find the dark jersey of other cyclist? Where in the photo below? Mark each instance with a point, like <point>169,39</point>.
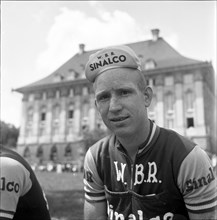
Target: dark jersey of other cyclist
<point>22,197</point>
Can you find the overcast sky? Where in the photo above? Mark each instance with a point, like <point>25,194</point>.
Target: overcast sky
<point>37,37</point>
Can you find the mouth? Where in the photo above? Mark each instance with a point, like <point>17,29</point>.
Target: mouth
<point>119,119</point>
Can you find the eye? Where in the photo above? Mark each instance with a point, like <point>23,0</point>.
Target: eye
<point>102,98</point>
<point>124,92</point>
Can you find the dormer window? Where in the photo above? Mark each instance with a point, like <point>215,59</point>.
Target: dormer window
<point>150,64</point>
<point>71,74</point>
<point>58,77</point>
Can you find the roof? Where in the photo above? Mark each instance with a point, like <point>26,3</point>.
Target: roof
<point>160,51</point>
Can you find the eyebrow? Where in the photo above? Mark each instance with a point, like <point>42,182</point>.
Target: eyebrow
<point>117,89</point>
<point>101,93</point>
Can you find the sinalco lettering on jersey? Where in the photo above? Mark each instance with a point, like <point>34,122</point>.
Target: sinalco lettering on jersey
<point>107,60</point>
<point>113,215</point>
<point>192,184</point>
<point>88,176</point>
<point>9,186</point>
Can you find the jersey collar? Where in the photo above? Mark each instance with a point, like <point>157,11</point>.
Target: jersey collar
<point>153,134</point>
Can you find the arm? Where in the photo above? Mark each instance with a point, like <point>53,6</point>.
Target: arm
<point>95,205</point>
<point>95,211</point>
<point>14,183</point>
<point>197,183</point>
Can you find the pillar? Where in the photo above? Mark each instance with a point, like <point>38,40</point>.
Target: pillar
<point>179,108</point>
<point>92,118</point>
<point>199,104</point>
<point>160,107</point>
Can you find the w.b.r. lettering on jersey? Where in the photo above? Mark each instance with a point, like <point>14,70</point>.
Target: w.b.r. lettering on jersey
<point>141,174</point>
<point>107,59</point>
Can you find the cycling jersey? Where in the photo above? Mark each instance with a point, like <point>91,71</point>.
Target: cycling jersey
<point>21,195</point>
<point>170,176</point>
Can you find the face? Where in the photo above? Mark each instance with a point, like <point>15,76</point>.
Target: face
<point>120,102</point>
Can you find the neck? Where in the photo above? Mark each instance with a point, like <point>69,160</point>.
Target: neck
<point>132,142</point>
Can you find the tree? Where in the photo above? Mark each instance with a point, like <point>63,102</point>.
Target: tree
<point>91,137</point>
<point>8,134</point>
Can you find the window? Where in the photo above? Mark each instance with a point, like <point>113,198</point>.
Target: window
<point>84,123</point>
<point>71,93</point>
<point>42,121</point>
<point>42,129</point>
<point>56,112</point>
<point>31,97</point>
<point>29,122</point>
<point>30,115</point>
<point>71,114</point>
<point>150,82</point>
<point>85,109</point>
<point>56,129</point>
<point>190,122</point>
<point>57,94</point>
<point>71,74</point>
<point>26,152</point>
<point>39,152</point>
<point>44,96</point>
<point>53,153</point>
<point>70,118</point>
<point>169,81</point>
<point>189,100</point>
<point>169,106</point>
<point>43,116</point>
<point>58,77</point>
<point>56,115</point>
<point>85,91</point>
<point>188,78</point>
<point>29,131</point>
<point>68,151</point>
<point>150,64</point>
<point>189,109</point>
<point>169,102</point>
<point>169,122</point>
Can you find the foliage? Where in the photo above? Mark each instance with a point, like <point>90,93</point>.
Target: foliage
<point>8,134</point>
<point>91,137</point>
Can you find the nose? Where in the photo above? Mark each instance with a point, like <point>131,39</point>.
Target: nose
<point>114,104</point>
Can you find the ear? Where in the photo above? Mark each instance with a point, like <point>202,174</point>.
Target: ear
<point>97,110</point>
<point>148,93</point>
<point>95,103</point>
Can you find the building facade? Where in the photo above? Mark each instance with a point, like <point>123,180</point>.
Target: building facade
<point>58,109</point>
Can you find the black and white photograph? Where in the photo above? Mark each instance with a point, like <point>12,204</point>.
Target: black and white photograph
<point>108,110</point>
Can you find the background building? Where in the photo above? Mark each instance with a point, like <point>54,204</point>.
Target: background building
<point>59,108</point>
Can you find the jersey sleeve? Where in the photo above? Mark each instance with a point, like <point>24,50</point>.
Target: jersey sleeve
<point>93,185</point>
<point>197,182</point>
<point>15,182</point>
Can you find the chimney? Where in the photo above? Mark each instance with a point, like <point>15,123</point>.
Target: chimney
<point>155,34</point>
<point>81,48</point>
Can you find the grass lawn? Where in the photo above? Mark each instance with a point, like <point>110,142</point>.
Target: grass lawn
<point>64,192</point>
